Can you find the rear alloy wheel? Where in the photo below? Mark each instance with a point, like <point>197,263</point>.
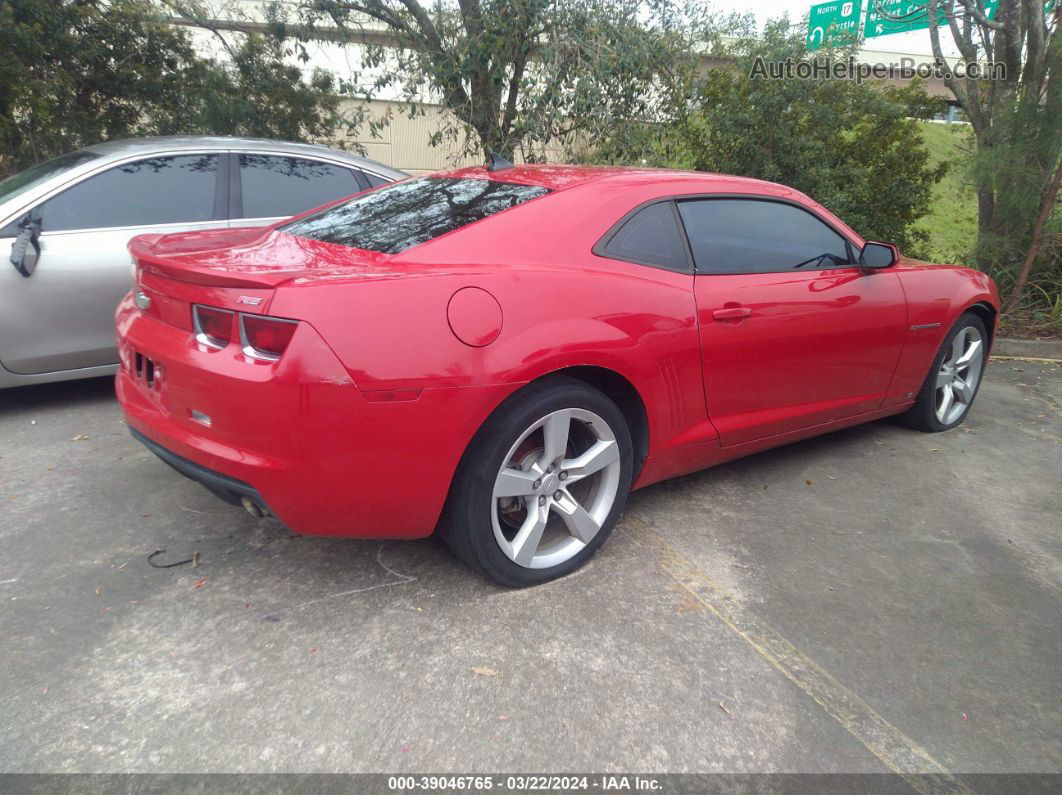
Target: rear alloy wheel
<point>953,380</point>
<point>541,485</point>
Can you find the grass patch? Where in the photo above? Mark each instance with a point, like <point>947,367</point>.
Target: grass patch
<point>952,219</point>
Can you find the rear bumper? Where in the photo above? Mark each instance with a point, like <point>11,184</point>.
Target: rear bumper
<point>229,489</point>
<point>297,436</point>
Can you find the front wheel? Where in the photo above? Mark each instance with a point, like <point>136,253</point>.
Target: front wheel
<point>541,485</point>
<point>951,386</point>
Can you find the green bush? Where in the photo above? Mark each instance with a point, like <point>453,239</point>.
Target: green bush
<point>855,148</point>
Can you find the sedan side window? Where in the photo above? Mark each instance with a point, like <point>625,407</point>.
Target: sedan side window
<point>373,180</point>
<point>650,237</point>
<point>758,236</point>
<point>276,186</point>
<point>157,190</point>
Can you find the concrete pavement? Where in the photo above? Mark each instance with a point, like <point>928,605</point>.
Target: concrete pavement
<point>866,600</point>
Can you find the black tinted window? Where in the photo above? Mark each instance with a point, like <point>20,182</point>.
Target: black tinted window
<point>159,190</point>
<point>750,236</point>
<point>408,213</point>
<point>279,186</point>
<point>31,177</point>
<point>652,237</point>
<point>374,181</point>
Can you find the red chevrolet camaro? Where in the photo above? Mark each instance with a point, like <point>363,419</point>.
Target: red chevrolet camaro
<point>503,353</point>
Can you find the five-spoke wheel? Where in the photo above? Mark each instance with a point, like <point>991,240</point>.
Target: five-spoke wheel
<point>959,374</point>
<point>951,386</point>
<point>556,488</point>
<point>542,484</point>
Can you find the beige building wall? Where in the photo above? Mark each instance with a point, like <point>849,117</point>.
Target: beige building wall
<point>405,142</point>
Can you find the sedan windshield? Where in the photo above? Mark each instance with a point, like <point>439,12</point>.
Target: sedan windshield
<point>31,177</point>
<point>403,215</point>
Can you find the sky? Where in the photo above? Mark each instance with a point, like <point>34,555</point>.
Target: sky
<point>913,42</point>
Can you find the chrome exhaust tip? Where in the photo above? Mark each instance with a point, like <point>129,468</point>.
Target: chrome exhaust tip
<point>253,508</point>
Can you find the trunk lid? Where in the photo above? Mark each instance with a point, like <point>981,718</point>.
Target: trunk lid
<point>252,257</point>
<point>236,269</point>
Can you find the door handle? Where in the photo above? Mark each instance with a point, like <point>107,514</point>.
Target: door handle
<point>732,313</point>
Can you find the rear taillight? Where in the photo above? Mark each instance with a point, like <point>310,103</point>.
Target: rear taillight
<point>213,327</point>
<point>265,337</point>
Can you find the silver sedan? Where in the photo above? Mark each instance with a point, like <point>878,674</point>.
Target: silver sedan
<point>64,226</point>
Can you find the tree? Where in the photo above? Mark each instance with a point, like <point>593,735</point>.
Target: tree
<point>855,148</point>
<point>521,74</point>
<point>1017,123</point>
<point>75,72</point>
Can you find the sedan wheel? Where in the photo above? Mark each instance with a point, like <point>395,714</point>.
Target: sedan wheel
<point>542,484</point>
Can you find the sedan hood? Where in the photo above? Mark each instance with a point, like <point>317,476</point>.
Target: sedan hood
<point>254,257</point>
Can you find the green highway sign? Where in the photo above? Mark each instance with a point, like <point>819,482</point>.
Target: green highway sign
<point>900,16</point>
<point>834,21</point>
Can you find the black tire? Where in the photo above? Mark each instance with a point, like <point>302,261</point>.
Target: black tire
<point>922,416</point>
<point>467,526</point>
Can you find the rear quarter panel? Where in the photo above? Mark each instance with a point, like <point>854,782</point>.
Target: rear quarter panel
<point>562,306</point>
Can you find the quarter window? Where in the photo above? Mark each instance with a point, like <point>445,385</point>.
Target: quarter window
<point>758,236</point>
<point>158,190</point>
<point>650,237</point>
<point>276,187</point>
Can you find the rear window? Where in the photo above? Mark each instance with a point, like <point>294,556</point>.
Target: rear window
<point>409,213</point>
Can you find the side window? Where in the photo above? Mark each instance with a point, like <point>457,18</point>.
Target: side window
<point>374,181</point>
<point>758,236</point>
<point>158,190</point>
<point>276,186</point>
<point>650,237</point>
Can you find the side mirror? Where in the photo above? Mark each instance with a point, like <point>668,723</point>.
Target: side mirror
<point>879,255</point>
<point>29,230</point>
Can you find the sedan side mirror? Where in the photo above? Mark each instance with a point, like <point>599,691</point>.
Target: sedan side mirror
<point>879,255</point>
<point>29,230</point>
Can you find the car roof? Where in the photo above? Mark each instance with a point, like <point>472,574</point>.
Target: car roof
<point>124,147</point>
<point>560,177</point>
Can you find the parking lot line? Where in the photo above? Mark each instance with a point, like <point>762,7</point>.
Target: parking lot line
<point>891,746</point>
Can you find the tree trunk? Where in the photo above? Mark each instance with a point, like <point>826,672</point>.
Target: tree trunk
<point>1046,205</point>
<point>986,223</point>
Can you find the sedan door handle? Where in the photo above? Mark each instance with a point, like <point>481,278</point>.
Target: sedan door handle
<point>733,313</point>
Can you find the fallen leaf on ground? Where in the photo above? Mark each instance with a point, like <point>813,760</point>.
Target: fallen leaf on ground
<point>200,582</point>
<point>314,650</point>
<point>722,706</point>
<point>79,438</point>
<point>483,670</point>
<point>99,590</point>
<point>808,482</point>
